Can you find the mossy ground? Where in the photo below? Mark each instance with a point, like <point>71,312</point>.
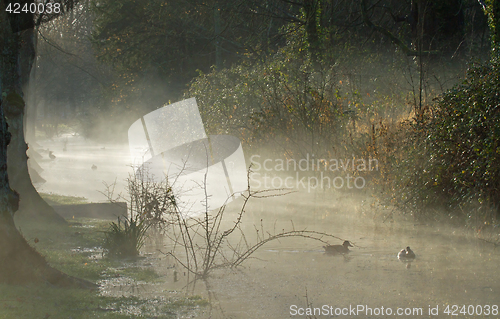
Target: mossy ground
<point>75,250</point>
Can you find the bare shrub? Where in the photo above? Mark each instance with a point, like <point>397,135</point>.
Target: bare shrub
<point>146,197</point>
<point>205,240</point>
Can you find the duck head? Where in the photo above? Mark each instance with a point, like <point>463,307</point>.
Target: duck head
<point>348,244</point>
<point>406,254</point>
<point>409,253</point>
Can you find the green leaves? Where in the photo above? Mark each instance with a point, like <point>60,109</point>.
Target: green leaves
<point>457,156</point>
<point>284,98</point>
<point>126,237</point>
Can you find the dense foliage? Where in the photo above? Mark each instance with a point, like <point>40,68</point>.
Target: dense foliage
<point>326,77</point>
<point>450,159</point>
<point>156,48</point>
<point>284,103</point>
<point>465,137</point>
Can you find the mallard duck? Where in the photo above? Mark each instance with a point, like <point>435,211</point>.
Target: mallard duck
<point>51,155</point>
<point>94,167</point>
<point>338,249</point>
<point>406,254</point>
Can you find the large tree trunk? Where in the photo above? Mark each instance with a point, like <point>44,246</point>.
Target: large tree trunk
<point>17,59</point>
<point>492,11</point>
<point>311,8</point>
<point>31,102</point>
<point>495,29</point>
<point>19,262</point>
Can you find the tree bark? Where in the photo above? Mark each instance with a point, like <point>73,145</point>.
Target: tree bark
<point>18,54</point>
<point>495,29</point>
<point>31,102</point>
<point>491,9</point>
<point>19,262</point>
<point>313,39</point>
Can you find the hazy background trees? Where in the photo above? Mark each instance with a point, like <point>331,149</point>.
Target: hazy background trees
<point>156,49</point>
<point>325,77</point>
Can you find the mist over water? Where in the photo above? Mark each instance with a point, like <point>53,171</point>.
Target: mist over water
<point>451,267</point>
<point>71,173</point>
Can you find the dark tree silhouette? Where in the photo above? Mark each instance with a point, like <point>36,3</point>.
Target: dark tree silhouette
<point>17,36</point>
<point>19,262</point>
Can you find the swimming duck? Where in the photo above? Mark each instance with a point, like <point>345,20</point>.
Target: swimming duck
<point>338,249</point>
<point>94,167</point>
<point>406,254</point>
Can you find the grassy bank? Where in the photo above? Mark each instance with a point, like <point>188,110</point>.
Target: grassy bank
<point>76,250</point>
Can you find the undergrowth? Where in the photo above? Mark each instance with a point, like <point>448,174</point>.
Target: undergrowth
<point>126,237</point>
<point>76,250</point>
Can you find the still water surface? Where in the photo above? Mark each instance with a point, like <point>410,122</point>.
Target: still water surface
<point>450,269</point>
<point>285,277</point>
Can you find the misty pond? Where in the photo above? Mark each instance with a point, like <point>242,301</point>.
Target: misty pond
<point>278,159</point>
<point>293,277</point>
